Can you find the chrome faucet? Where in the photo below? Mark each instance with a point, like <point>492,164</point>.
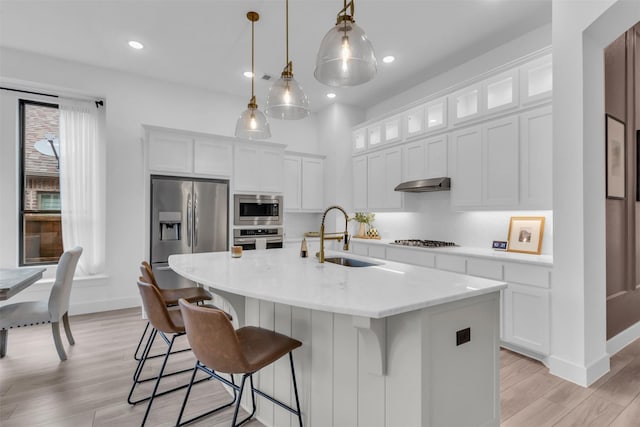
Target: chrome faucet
<point>346,231</point>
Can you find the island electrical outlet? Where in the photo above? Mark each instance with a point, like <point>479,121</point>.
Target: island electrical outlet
<point>463,336</point>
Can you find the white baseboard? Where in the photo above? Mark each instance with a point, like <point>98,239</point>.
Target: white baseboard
<point>104,305</point>
<point>623,339</point>
<point>582,375</point>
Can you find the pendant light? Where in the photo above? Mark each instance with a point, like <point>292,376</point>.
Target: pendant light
<point>286,99</point>
<point>252,123</point>
<point>346,57</point>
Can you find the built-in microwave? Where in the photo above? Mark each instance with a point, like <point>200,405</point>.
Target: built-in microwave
<point>252,209</point>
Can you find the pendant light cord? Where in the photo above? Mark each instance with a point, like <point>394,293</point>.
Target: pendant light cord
<point>287,30</point>
<point>253,74</point>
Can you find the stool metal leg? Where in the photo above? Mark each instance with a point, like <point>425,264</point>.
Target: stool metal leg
<point>144,333</point>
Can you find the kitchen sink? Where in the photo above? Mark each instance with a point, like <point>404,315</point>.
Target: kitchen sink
<point>349,262</point>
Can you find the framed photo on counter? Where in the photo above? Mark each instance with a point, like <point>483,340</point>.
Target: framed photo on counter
<point>616,159</point>
<point>525,234</point>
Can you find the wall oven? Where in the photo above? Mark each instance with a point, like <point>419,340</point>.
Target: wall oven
<point>248,237</point>
<point>257,210</point>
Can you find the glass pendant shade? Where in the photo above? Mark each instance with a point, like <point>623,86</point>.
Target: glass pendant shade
<point>346,56</point>
<point>253,124</point>
<point>287,100</point>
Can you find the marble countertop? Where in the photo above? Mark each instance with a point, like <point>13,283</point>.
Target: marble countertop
<point>281,276</point>
<point>485,253</point>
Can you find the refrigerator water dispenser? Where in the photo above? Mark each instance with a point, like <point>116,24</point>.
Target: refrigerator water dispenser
<point>170,225</point>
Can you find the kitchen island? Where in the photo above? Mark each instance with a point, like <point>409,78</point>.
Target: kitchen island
<point>386,345</point>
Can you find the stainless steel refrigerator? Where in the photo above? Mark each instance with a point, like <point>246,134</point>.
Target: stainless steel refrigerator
<point>188,215</point>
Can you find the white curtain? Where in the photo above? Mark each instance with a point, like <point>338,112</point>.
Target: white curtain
<point>82,182</point>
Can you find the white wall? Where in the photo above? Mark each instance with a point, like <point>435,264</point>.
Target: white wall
<point>130,102</point>
<point>581,30</point>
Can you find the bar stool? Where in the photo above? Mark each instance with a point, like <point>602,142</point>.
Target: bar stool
<point>170,296</point>
<point>218,347</point>
<point>165,322</point>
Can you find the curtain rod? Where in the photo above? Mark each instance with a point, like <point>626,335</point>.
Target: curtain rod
<point>98,102</point>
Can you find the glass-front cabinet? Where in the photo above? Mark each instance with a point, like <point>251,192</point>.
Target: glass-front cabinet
<point>465,104</point>
<point>359,140</point>
<point>536,79</point>
<point>393,129</point>
<point>374,135</point>
<point>414,122</point>
<point>436,114</point>
<point>501,91</point>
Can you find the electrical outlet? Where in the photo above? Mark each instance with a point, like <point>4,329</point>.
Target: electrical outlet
<point>463,336</point>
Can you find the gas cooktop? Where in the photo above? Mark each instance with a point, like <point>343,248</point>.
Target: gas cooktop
<point>423,243</point>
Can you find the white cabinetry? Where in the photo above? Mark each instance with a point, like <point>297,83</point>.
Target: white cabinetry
<point>359,170</point>
<point>384,172</point>
<point>536,80</point>
<point>425,158</point>
<point>170,152</point>
<point>359,140</point>
<point>414,122</point>
<point>485,165</point>
<point>465,104</point>
<point>501,92</point>
<point>258,168</point>
<point>303,183</point>
<point>188,153</point>
<point>536,135</point>
<point>393,129</point>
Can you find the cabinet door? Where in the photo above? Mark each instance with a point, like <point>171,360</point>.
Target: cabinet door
<point>247,168</point>
<point>466,176</point>
<point>360,183</point>
<point>374,135</point>
<point>501,91</point>
<point>415,158</point>
<point>359,140</point>
<point>393,176</point>
<point>437,159</point>
<point>393,129</point>
<point>465,104</point>
<point>536,136</point>
<point>500,163</point>
<point>212,157</point>
<point>170,152</point>
<point>414,123</point>
<point>526,317</point>
<point>312,184</point>
<point>292,183</point>
<point>271,176</point>
<point>436,114</point>
<point>376,181</point>
<point>536,80</point>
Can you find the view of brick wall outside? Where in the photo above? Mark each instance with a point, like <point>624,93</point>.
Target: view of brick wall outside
<point>42,233</point>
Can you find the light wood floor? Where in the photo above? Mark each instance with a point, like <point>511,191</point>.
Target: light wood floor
<point>90,388</point>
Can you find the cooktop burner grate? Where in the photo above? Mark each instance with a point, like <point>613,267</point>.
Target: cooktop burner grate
<point>423,243</point>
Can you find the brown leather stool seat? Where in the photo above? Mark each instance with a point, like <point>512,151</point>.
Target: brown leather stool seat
<point>170,296</point>
<point>220,348</point>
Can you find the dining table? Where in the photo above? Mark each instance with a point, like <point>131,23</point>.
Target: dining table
<point>14,280</point>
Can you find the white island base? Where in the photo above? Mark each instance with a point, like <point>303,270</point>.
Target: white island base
<point>429,381</point>
<point>379,343</point>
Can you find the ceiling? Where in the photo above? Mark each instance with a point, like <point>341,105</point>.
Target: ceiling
<point>207,44</point>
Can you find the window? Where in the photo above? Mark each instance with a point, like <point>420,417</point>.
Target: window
<point>40,219</point>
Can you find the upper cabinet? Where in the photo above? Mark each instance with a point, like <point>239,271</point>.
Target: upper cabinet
<point>303,183</point>
<point>425,158</point>
<point>501,92</point>
<point>359,140</point>
<point>465,104</point>
<point>186,153</point>
<point>414,122</point>
<point>436,114</point>
<point>393,129</point>
<point>536,79</point>
<point>258,167</point>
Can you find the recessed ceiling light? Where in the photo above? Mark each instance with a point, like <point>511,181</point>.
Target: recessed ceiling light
<point>248,74</point>
<point>388,59</point>
<point>136,45</point>
<point>331,95</point>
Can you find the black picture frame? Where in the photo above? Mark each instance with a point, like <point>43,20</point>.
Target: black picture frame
<point>616,155</point>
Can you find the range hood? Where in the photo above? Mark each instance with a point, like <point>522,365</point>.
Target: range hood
<point>425,185</point>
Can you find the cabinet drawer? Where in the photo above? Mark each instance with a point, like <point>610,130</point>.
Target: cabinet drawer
<point>377,251</point>
<point>451,263</point>
<point>408,256</point>
<point>487,269</point>
<point>360,249</point>
<point>527,275</point>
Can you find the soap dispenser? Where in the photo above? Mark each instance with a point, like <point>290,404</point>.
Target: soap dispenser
<point>303,249</point>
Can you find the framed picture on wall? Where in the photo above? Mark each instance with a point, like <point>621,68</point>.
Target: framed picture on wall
<point>616,158</point>
<point>525,234</point>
